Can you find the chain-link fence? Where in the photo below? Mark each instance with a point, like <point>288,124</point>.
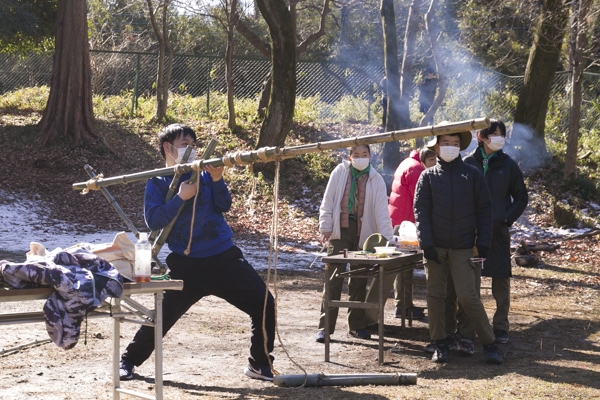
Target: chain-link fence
<point>338,92</point>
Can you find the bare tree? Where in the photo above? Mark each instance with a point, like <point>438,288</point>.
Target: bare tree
<point>280,112</point>
<point>231,20</point>
<point>578,43</point>
<point>391,155</point>
<point>69,113</point>
<point>541,66</point>
<point>265,48</point>
<point>439,63</point>
<point>163,78</point>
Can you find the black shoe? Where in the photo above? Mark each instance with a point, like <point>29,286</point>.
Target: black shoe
<point>263,372</point>
<point>493,355</point>
<point>441,353</point>
<point>126,370</point>
<point>501,336</point>
<point>320,336</point>
<point>360,334</point>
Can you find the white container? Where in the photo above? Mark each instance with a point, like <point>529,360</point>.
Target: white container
<point>143,259</point>
<point>385,250</point>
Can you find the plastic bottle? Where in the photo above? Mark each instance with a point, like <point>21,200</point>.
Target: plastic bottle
<point>143,259</point>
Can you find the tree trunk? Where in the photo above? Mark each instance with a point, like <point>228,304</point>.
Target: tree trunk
<point>229,66</point>
<point>541,66</point>
<point>163,79</point>
<point>439,63</point>
<point>265,93</point>
<point>391,154</point>
<point>579,31</point>
<point>69,113</point>
<point>280,111</point>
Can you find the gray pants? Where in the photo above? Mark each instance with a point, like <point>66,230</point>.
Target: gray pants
<point>456,263</point>
<point>357,287</point>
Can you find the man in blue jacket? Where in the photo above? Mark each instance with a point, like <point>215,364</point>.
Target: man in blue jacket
<point>208,264</point>
<point>453,212</point>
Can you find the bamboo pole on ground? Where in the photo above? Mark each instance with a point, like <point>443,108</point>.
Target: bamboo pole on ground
<point>267,154</point>
<point>344,379</point>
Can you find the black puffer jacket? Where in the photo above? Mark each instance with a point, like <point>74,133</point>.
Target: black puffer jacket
<point>509,198</point>
<point>452,207</point>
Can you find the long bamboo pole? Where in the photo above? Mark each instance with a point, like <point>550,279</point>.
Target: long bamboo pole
<point>267,154</point>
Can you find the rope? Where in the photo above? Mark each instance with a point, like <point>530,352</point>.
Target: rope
<point>91,184</point>
<point>273,243</point>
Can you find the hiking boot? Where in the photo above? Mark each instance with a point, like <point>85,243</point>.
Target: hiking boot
<point>493,355</point>
<point>441,353</point>
<point>126,370</point>
<point>465,346</point>
<point>263,372</point>
<point>501,336</point>
<point>360,334</point>
<point>320,336</point>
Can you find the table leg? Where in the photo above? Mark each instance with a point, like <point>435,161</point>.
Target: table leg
<point>326,307</point>
<point>116,356</point>
<point>381,309</point>
<point>158,328</point>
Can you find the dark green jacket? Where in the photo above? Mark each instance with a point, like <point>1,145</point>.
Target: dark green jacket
<point>509,199</point>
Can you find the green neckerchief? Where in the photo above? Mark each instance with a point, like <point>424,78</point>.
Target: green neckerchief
<point>486,160</point>
<point>355,175</point>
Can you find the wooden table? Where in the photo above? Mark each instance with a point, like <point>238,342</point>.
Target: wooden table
<point>125,309</point>
<point>373,267</point>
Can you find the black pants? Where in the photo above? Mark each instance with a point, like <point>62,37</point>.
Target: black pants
<point>228,276</point>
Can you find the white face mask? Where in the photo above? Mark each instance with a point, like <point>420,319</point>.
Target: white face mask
<point>449,153</point>
<point>360,163</point>
<point>496,143</point>
<point>181,153</point>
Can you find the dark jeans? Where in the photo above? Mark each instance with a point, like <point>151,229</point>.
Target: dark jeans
<point>228,276</point>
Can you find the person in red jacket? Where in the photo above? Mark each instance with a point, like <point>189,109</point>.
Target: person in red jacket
<point>401,204</point>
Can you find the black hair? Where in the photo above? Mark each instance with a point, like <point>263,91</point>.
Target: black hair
<point>171,132</point>
<point>425,153</point>
<point>494,124</point>
<point>353,147</point>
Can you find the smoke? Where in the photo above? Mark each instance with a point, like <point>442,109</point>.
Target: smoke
<point>525,147</point>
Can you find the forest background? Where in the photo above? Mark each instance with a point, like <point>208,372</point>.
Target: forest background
<point>487,47</point>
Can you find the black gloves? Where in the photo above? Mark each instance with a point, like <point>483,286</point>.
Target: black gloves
<point>430,254</point>
<point>482,251</point>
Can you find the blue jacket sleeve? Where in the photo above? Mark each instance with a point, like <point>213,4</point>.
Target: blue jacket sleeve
<point>158,214</point>
<point>221,196</point>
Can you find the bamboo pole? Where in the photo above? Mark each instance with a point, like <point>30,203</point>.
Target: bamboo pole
<point>344,379</point>
<point>267,154</point>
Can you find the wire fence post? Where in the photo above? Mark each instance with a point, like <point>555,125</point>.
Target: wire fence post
<point>208,86</point>
<point>134,99</point>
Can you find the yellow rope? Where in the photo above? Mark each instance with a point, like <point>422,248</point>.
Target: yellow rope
<point>91,184</point>
<point>273,243</point>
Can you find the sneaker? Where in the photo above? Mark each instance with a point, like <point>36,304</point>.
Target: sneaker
<point>430,347</point>
<point>452,341</point>
<point>465,346</point>
<point>360,334</point>
<point>263,373</point>
<point>125,370</point>
<point>440,355</point>
<point>493,355</point>
<point>501,336</point>
<point>320,336</point>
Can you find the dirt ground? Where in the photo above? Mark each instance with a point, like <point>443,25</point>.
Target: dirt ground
<point>554,351</point>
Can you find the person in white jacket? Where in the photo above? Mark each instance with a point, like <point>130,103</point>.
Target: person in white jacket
<point>355,205</point>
